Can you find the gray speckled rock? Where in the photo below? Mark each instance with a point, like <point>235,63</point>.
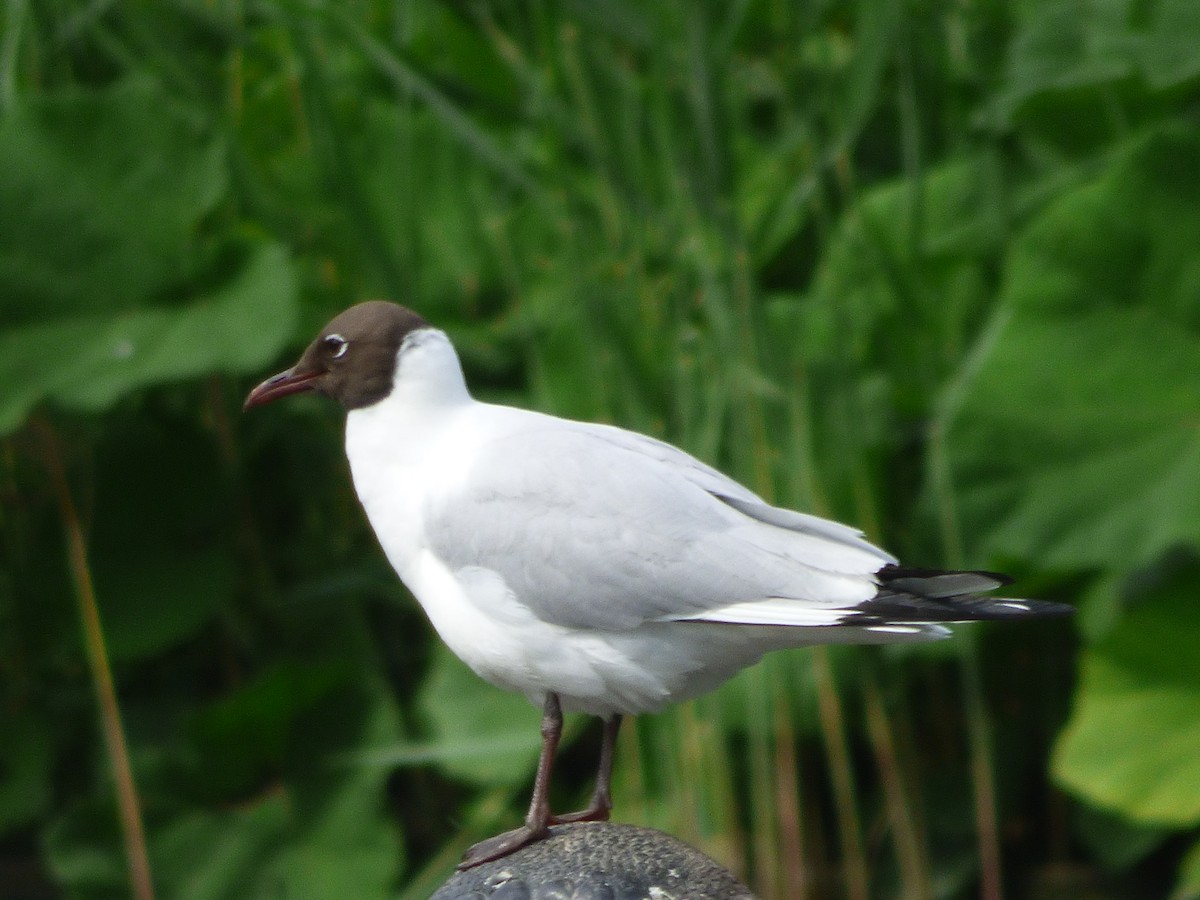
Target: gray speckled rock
<point>598,861</point>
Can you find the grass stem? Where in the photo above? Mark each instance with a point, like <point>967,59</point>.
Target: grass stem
<point>905,825</point>
<point>983,778</point>
<point>833,729</point>
<point>136,856</point>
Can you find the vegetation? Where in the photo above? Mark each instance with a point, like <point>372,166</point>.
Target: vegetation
<point>930,268</point>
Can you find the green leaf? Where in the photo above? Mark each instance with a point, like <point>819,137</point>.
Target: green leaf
<point>896,299</point>
<point>1168,53</point>
<point>247,733</point>
<point>344,847</point>
<point>343,843</point>
<point>487,735</point>
<point>1066,45</point>
<point>1071,435</point>
<point>907,255</point>
<point>82,848</point>
<point>1080,71</point>
<point>1133,742</point>
<point>102,193</point>
<point>1113,840</point>
<point>210,854</point>
<point>87,362</point>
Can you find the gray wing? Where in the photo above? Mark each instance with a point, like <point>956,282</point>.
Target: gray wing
<point>595,527</point>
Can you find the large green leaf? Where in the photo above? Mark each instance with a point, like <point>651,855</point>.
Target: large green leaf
<point>86,362</point>
<point>102,192</point>
<point>1072,437</point>
<point>247,733</point>
<point>1080,70</point>
<point>1133,742</point>
<point>907,260</point>
<point>1067,45</point>
<point>898,295</point>
<point>1167,52</point>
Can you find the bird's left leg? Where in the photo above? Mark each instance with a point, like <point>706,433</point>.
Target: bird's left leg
<point>600,807</point>
<point>538,819</point>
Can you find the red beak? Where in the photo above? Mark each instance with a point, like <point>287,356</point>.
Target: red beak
<point>281,385</point>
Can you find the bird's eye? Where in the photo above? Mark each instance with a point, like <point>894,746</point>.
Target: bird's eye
<point>336,345</point>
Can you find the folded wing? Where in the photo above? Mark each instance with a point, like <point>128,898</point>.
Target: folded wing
<point>595,527</point>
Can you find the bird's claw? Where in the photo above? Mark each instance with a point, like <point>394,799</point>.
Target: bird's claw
<point>591,814</point>
<point>502,845</point>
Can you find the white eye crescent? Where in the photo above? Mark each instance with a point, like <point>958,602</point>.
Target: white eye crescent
<point>337,345</point>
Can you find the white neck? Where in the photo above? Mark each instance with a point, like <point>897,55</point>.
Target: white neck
<point>428,374</point>
<point>400,447</point>
<point>427,389</point>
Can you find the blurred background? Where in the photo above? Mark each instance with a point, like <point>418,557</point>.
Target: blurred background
<point>931,268</point>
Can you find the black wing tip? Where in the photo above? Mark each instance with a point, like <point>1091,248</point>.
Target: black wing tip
<point>914,595</point>
<point>895,571</point>
<point>892,609</point>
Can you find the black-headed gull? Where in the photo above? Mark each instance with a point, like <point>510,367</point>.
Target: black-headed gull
<point>588,567</point>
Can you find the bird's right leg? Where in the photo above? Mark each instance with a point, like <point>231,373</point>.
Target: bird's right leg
<point>538,819</point>
<point>600,807</point>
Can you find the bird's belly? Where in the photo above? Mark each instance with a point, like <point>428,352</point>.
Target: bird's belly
<point>597,672</point>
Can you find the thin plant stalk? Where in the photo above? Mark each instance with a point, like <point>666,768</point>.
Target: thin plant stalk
<point>136,856</point>
<point>906,834</point>
<point>764,836</point>
<point>788,802</point>
<point>14,16</point>
<point>833,730</point>
<point>720,790</point>
<point>983,778</point>
<point>690,747</point>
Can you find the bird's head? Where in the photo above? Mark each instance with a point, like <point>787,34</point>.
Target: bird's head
<point>352,360</point>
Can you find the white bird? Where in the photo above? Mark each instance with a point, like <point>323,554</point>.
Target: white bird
<point>588,567</point>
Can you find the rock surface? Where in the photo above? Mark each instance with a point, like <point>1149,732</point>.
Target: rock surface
<point>598,861</point>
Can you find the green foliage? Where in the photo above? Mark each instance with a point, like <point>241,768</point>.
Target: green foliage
<point>106,288</point>
<point>1073,445</point>
<point>1131,743</point>
<point>923,267</point>
<point>95,221</point>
